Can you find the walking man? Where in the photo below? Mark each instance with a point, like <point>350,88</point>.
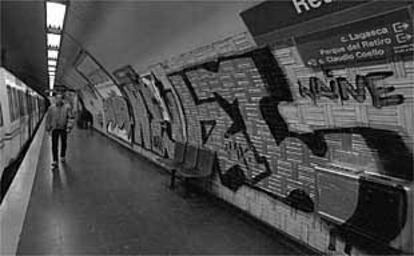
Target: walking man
<point>58,125</point>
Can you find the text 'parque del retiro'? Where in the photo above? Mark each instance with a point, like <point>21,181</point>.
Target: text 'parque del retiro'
<point>360,46</point>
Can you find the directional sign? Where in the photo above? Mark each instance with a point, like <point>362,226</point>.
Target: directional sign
<point>360,42</point>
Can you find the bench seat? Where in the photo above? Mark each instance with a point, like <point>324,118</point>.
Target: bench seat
<point>203,168</point>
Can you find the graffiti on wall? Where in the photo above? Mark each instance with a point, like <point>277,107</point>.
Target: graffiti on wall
<point>155,111</point>
<point>286,165</point>
<point>366,132</point>
<point>242,107</point>
<point>239,123</point>
<point>270,136</point>
<point>116,113</point>
<point>340,88</point>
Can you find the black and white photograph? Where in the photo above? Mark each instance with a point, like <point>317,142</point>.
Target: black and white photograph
<point>207,127</point>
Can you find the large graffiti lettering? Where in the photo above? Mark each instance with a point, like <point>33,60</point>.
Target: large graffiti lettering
<point>232,109</point>
<point>155,110</point>
<point>117,116</point>
<point>291,174</point>
<point>341,88</point>
<point>142,130</point>
<point>269,137</point>
<point>116,109</point>
<point>207,127</point>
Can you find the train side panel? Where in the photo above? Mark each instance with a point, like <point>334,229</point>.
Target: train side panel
<point>20,111</point>
<point>4,119</point>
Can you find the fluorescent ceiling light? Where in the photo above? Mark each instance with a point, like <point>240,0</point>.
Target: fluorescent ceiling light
<point>53,40</point>
<point>52,54</point>
<point>51,68</point>
<point>51,62</point>
<point>55,15</point>
<point>51,83</point>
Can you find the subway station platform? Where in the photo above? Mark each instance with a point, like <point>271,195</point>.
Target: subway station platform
<point>296,115</point>
<point>108,200</point>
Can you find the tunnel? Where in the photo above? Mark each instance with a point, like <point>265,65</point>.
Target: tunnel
<point>206,127</point>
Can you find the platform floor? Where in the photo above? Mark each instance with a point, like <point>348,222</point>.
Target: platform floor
<point>108,200</point>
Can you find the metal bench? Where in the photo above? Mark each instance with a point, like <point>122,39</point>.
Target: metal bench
<point>190,161</point>
<point>179,153</point>
<point>201,167</point>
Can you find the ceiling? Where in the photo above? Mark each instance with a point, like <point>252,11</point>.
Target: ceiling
<point>115,33</point>
<point>23,41</point>
<point>141,33</point>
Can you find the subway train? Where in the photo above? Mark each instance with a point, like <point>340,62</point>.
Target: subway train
<point>21,110</point>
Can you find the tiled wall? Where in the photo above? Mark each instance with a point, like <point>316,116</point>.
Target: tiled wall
<point>290,134</point>
<point>245,104</point>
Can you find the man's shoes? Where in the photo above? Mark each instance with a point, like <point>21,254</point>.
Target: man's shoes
<point>54,165</point>
<point>62,159</point>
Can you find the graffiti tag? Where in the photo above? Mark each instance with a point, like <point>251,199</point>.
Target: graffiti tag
<point>340,88</point>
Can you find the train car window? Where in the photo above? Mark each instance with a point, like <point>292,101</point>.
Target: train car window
<point>21,103</point>
<point>28,102</point>
<point>13,94</point>
<point>1,116</point>
<point>11,105</point>
<point>31,105</point>
<point>25,105</point>
<point>17,105</point>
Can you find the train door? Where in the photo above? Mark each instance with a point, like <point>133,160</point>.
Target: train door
<point>10,127</point>
<point>22,119</point>
<point>36,106</point>
<point>10,131</point>
<point>29,114</point>
<point>4,123</point>
<point>34,113</point>
<point>2,141</point>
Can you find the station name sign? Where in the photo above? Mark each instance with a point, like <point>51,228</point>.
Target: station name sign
<point>360,42</point>
<point>307,5</point>
<point>272,15</point>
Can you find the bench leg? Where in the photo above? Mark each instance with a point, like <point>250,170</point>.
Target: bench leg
<point>172,183</point>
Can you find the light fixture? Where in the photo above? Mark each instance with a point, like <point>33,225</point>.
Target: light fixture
<point>55,15</point>
<point>52,54</point>
<point>53,40</point>
<point>51,82</point>
<point>51,62</point>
